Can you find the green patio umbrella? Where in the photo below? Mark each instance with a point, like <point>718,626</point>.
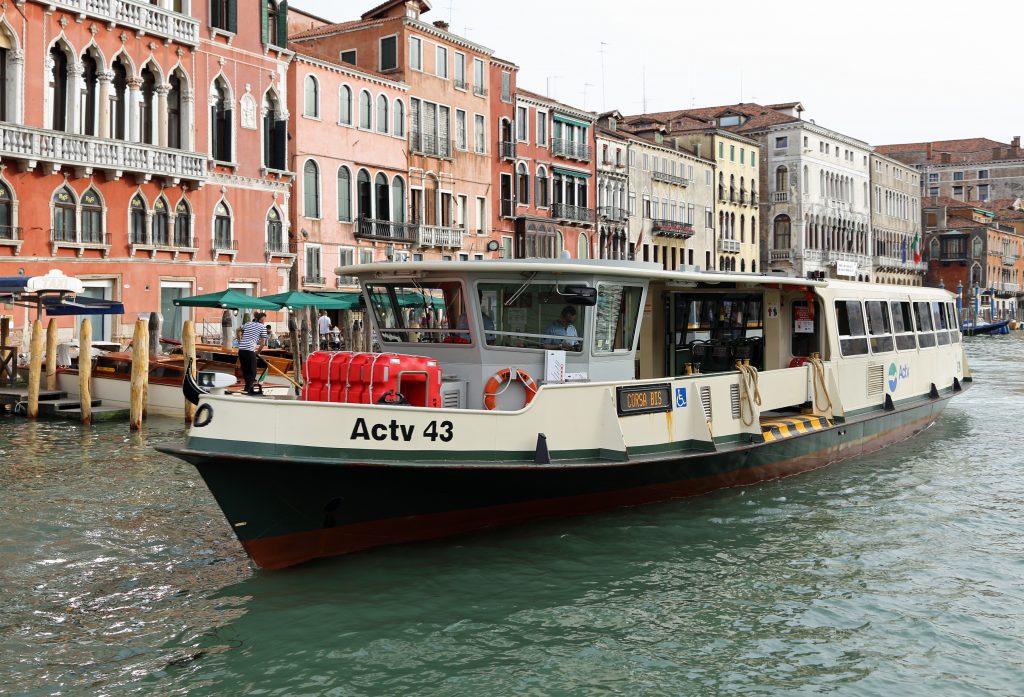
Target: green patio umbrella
<point>230,299</point>
<point>297,298</point>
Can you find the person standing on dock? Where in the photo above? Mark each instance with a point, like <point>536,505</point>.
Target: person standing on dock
<point>323,325</point>
<point>254,334</point>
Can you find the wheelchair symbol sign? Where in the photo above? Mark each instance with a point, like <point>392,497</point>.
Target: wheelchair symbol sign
<point>680,397</point>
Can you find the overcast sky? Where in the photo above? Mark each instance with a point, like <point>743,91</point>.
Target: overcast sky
<point>888,71</point>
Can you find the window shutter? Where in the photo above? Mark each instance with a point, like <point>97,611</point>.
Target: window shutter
<point>215,18</point>
<point>280,144</point>
<point>282,24</point>
<point>429,128</point>
<point>233,16</point>
<point>263,22</point>
<point>226,140</point>
<point>445,142</point>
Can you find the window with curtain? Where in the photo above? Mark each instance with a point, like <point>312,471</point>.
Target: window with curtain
<point>92,217</point>
<point>160,222</point>
<point>312,97</point>
<point>311,189</point>
<point>344,194</point>
<point>345,105</point>
<point>365,116</point>
<point>182,225</point>
<point>399,116</point>
<point>137,220</point>
<point>222,227</point>
<point>382,113</point>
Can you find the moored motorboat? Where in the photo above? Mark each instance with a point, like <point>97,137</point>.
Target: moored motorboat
<point>517,390</point>
<point>979,328</point>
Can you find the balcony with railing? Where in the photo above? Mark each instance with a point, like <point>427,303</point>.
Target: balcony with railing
<point>508,149</point>
<point>671,228</point>
<point>371,229</point>
<point>732,194</point>
<point>11,237</point>
<point>228,248</point>
<point>346,281</point>
<point>479,90</point>
<point>439,236</point>
<point>144,17</point>
<point>1009,259</point>
<point>278,249</point>
<point>670,178</point>
<point>612,213</point>
<point>1010,288</point>
<point>314,281</point>
<point>460,83</point>
<point>572,214</point>
<point>30,146</point>
<point>730,246</point>
<point>891,263</point>
<point>780,197</point>
<point>753,197</point>
<point>570,149</point>
<point>78,240</point>
<point>780,255</point>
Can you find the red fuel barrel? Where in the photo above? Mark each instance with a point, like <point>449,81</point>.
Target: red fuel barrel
<point>337,376</point>
<point>314,374</point>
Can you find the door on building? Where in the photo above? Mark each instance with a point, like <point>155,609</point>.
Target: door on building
<point>101,324</point>
<point>173,316</point>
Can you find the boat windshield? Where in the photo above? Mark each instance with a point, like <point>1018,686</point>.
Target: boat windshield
<point>532,315</point>
<point>412,312</point>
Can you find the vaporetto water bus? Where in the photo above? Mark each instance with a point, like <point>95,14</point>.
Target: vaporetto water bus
<point>510,391</point>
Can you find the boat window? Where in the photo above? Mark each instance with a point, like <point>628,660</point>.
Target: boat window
<point>531,315</point>
<point>618,307</point>
<point>806,328</point>
<point>879,328</point>
<point>712,331</point>
<point>941,322</point>
<point>953,322</point>
<point>903,325</point>
<point>923,323</point>
<point>412,312</point>
<point>850,323</point>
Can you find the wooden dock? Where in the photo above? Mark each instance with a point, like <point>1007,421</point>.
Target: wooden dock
<point>55,404</point>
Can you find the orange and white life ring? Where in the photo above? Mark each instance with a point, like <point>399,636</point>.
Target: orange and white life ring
<point>493,386</point>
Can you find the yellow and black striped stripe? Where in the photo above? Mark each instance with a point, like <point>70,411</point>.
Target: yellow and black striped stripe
<point>779,427</point>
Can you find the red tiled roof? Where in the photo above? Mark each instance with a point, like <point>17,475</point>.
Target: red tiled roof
<point>332,28</point>
<point>958,151</point>
<point>541,98</point>
<point>313,51</point>
<point>757,117</point>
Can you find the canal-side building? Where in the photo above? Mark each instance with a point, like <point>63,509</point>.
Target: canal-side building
<point>965,169</point>
<point>974,244</point>
<point>502,126</point>
<point>553,189</point>
<point>814,213</point>
<point>672,223</point>
<point>348,140</point>
<point>613,190</point>
<point>450,146</point>
<point>737,241</point>
<point>896,222</point>
<point>133,151</point>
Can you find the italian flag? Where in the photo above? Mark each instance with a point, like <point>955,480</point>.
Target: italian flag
<point>915,246</point>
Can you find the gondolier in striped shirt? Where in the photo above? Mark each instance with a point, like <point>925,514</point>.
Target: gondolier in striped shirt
<point>254,334</point>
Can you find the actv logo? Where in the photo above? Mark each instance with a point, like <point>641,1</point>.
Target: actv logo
<point>897,374</point>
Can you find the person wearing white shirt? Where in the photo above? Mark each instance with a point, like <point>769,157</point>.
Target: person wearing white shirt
<point>324,327</point>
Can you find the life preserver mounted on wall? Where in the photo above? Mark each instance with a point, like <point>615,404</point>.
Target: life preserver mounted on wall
<point>494,386</point>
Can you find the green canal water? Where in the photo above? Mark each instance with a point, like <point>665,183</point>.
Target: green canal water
<point>896,574</point>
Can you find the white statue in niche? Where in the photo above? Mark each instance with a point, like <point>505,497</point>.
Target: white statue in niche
<point>248,109</point>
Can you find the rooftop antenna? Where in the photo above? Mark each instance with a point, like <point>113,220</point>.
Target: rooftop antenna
<point>547,90</point>
<point>644,80</point>
<point>741,87</point>
<point>604,101</point>
<point>451,3</point>
<point>585,86</point>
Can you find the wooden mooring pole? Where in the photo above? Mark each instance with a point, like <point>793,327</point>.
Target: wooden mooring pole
<point>35,368</point>
<point>51,354</point>
<point>84,369</point>
<point>140,374</point>
<point>188,347</point>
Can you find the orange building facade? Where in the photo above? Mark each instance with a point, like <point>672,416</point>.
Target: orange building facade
<point>348,140</point>
<point>553,183</point>
<point>143,151</point>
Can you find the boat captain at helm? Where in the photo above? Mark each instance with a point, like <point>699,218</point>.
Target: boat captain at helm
<point>563,326</point>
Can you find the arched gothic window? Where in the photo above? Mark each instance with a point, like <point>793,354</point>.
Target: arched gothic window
<point>92,217</point>
<point>161,219</point>
<point>137,220</point>
<point>311,189</point>
<point>182,224</point>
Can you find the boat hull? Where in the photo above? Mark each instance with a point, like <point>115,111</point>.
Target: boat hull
<point>287,509</point>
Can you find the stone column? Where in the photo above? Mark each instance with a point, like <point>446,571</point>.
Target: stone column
<point>161,114</point>
<point>188,136</point>
<point>105,79</point>
<point>15,96</point>
<point>75,72</point>
<point>134,100</point>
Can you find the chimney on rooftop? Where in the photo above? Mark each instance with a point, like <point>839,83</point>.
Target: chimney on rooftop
<point>1015,143</point>
<point>441,24</point>
<point>945,158</point>
<point>995,153</point>
<point>929,151</point>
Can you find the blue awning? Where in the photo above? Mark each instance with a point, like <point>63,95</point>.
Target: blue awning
<point>13,284</point>
<point>81,305</point>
